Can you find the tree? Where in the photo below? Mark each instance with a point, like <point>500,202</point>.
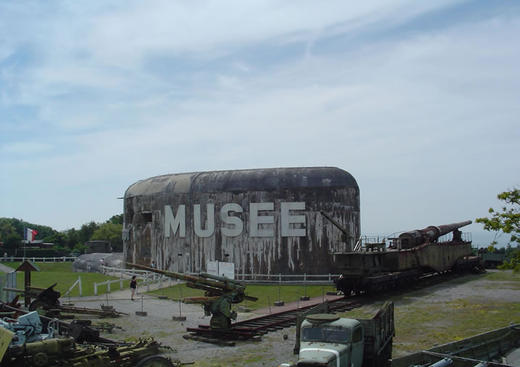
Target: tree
<point>506,220</point>
<point>86,232</point>
<point>9,234</point>
<point>110,232</point>
<point>116,219</point>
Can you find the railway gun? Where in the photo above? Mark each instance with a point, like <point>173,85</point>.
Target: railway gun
<point>410,256</point>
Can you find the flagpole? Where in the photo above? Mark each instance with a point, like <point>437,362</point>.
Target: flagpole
<point>25,244</point>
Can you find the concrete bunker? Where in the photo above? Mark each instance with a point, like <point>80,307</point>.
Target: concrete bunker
<point>265,221</point>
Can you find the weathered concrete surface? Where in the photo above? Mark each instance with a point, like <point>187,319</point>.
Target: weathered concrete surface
<point>262,220</point>
<point>93,262</point>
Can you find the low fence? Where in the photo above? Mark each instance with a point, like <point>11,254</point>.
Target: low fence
<point>108,285</point>
<point>287,279</point>
<point>38,259</point>
<point>77,284</point>
<point>148,278</point>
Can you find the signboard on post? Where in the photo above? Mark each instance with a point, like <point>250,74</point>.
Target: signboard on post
<point>221,269</point>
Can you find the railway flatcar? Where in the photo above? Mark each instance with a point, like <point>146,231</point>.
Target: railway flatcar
<point>376,267</point>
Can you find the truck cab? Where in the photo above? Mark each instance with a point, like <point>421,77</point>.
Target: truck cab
<point>330,341</point>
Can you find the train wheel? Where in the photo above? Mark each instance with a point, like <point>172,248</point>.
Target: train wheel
<point>154,361</point>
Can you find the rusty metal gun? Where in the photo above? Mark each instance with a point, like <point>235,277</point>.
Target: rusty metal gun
<point>46,300</point>
<point>220,294</point>
<point>431,234</point>
<point>212,284</point>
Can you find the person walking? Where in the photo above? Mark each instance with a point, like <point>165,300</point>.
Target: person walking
<point>133,287</point>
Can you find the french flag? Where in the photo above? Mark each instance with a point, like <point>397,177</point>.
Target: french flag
<point>30,234</point>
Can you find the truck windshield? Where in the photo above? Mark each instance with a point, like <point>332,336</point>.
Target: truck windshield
<point>325,334</point>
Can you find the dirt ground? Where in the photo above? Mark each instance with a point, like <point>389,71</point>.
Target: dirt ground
<point>463,294</point>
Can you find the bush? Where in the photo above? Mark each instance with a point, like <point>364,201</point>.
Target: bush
<point>39,252</point>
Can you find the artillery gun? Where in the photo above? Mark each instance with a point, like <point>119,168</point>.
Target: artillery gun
<point>46,301</point>
<point>220,294</point>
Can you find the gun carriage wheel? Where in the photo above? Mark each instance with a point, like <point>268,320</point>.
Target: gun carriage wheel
<point>154,361</point>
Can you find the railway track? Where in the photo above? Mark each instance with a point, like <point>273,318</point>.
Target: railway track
<point>255,327</point>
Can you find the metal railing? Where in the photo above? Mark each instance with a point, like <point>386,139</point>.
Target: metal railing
<point>149,278</point>
<point>287,278</point>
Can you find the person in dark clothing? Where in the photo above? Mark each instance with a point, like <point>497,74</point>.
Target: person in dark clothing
<point>133,287</point>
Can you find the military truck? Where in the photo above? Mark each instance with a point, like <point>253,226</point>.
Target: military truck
<point>327,340</point>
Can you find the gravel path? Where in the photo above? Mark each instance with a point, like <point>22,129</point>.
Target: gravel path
<point>5,269</point>
<point>159,324</point>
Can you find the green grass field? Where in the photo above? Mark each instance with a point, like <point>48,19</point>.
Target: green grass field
<point>444,321</point>
<point>62,274</point>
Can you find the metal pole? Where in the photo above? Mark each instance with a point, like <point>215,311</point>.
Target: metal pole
<point>305,284</point>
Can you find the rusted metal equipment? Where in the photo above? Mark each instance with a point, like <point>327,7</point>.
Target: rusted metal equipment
<point>51,342</point>
<point>411,256</point>
<point>494,348</point>
<point>431,234</point>
<point>79,330</point>
<point>46,301</point>
<point>220,293</point>
<point>65,352</point>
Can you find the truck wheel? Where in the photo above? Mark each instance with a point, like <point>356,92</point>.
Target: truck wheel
<point>154,361</point>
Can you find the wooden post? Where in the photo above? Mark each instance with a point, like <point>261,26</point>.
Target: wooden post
<point>27,267</point>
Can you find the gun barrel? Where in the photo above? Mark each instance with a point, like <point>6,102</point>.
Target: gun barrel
<point>206,282</point>
<point>428,234</point>
<point>221,279</point>
<point>447,228</point>
<point>186,277</point>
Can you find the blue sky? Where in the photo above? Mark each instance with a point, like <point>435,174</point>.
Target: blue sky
<point>419,101</point>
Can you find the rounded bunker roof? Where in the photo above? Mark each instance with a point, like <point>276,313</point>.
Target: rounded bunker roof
<point>265,179</point>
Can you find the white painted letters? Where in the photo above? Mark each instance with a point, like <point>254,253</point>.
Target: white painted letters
<point>174,223</point>
<point>256,220</point>
<point>235,222</point>
<point>287,219</point>
<point>260,224</point>
<point>210,220</point>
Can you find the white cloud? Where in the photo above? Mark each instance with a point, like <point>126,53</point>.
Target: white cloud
<point>418,119</point>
